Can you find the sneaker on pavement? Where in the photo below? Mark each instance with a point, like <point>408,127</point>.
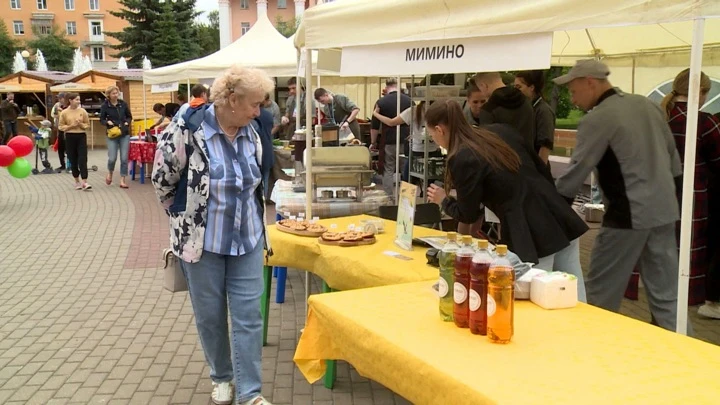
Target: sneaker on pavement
<point>710,310</point>
<point>86,187</point>
<point>222,393</point>
<point>258,400</point>
<point>78,186</point>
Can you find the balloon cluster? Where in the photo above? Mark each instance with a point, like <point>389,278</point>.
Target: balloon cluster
<point>11,156</point>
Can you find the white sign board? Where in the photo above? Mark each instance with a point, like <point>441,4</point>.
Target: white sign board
<point>460,55</point>
<point>165,87</point>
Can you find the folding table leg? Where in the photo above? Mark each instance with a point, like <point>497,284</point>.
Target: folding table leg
<point>280,288</point>
<point>142,173</point>
<point>132,170</point>
<point>265,301</point>
<point>330,370</point>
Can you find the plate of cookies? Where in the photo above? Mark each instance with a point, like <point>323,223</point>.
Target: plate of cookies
<point>347,239</point>
<point>300,228</point>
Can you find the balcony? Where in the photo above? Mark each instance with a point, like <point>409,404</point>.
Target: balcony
<point>95,40</point>
<point>94,15</point>
<point>42,16</point>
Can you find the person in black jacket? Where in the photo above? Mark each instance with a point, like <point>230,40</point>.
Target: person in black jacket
<point>505,105</point>
<point>388,107</point>
<point>493,166</point>
<point>115,113</point>
<point>531,84</point>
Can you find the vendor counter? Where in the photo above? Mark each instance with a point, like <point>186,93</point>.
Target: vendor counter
<point>292,202</point>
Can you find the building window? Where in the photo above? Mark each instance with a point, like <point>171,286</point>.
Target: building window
<point>69,4</point>
<point>18,28</point>
<point>15,4</point>
<point>244,4</point>
<point>71,28</point>
<point>245,27</point>
<point>94,5</point>
<point>711,106</point>
<point>98,53</point>
<point>41,27</point>
<point>96,28</point>
<point>42,4</point>
<point>282,3</point>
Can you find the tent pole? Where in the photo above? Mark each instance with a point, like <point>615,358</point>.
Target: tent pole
<point>318,105</point>
<point>144,124</point>
<point>309,191</point>
<point>689,174</point>
<point>188,90</point>
<point>634,65</point>
<point>397,146</point>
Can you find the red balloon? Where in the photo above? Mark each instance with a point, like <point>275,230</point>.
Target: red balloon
<point>7,156</point>
<point>22,145</point>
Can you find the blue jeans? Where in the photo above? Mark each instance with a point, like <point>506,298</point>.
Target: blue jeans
<point>120,144</point>
<point>568,261</point>
<point>218,283</point>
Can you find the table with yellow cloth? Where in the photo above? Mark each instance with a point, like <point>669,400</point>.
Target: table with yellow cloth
<point>584,355</point>
<point>349,268</point>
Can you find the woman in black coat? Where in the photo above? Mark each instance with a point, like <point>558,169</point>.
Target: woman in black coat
<point>115,113</point>
<point>492,166</point>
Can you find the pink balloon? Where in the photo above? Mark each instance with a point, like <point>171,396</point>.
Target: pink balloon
<point>22,145</point>
<point>7,156</point>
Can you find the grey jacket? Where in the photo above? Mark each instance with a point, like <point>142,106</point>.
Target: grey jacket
<point>626,137</point>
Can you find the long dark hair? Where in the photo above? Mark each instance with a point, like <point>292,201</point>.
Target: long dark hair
<point>485,144</point>
<point>533,78</point>
<point>419,113</point>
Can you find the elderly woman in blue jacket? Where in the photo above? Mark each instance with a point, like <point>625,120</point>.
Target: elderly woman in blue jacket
<point>208,174</point>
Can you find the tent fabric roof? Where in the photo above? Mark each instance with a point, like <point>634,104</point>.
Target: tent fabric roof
<point>667,23</point>
<point>261,47</point>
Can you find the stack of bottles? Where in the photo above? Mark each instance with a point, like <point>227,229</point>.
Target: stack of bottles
<point>483,288</point>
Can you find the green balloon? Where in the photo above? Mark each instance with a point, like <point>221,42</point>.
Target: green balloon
<point>20,168</point>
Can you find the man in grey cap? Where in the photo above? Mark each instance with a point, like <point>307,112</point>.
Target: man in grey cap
<point>626,139</point>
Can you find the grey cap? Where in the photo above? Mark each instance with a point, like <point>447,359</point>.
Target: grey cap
<point>584,68</point>
<point>46,123</point>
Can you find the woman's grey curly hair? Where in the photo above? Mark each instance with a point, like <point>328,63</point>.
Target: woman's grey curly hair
<point>241,81</point>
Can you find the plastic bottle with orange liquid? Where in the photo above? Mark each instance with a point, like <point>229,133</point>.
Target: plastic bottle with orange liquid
<point>501,298</point>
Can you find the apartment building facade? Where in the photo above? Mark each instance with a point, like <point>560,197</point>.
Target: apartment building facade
<point>238,16</point>
<point>84,22</point>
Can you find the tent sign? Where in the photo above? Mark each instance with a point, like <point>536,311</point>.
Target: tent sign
<point>165,87</point>
<point>459,55</point>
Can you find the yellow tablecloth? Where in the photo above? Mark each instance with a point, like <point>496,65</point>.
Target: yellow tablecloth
<point>348,268</point>
<point>583,355</point>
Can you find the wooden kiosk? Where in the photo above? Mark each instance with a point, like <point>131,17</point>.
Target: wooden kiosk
<point>32,94</point>
<point>91,86</point>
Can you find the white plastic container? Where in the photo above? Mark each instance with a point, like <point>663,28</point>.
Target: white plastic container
<point>554,290</point>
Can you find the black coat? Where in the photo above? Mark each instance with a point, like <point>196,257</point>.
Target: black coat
<point>536,220</point>
<point>507,105</point>
<point>118,113</point>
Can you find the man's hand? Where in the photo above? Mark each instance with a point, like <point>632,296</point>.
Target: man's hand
<point>345,125</point>
<point>436,194</point>
<point>373,147</point>
<point>284,120</point>
<point>110,122</point>
<point>376,110</point>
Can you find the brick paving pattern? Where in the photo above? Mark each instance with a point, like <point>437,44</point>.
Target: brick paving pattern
<point>84,318</point>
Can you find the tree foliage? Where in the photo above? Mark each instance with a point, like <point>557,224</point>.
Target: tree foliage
<point>8,47</point>
<point>56,47</point>
<point>165,32</point>
<point>208,34</point>
<point>287,28</point>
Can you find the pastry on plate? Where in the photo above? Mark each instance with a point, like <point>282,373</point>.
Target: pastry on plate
<point>316,228</point>
<point>353,237</point>
<point>332,236</point>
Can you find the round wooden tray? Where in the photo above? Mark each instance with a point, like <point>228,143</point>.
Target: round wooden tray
<point>342,243</point>
<point>298,233</point>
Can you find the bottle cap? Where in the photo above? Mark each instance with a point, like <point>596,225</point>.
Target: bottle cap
<point>483,244</point>
<point>467,239</point>
<point>501,250</point>
<point>452,236</point>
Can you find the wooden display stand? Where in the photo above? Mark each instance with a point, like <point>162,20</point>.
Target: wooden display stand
<point>32,89</point>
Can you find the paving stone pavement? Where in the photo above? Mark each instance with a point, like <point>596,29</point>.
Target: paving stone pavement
<point>84,318</point>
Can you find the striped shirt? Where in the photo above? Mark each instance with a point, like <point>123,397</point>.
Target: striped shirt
<point>234,223</point>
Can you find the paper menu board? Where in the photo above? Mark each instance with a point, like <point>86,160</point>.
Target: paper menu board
<point>406,215</point>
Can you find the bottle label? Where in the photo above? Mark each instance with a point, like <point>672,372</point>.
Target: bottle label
<point>442,288</point>
<point>490,306</point>
<point>459,293</point>
<point>475,300</point>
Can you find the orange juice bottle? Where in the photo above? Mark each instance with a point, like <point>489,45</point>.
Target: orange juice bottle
<point>501,298</point>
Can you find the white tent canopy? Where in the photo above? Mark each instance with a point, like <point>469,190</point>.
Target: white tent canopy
<point>581,29</point>
<point>261,47</point>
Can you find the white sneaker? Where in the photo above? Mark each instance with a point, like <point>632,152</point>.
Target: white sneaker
<point>710,310</point>
<point>258,400</point>
<point>222,393</point>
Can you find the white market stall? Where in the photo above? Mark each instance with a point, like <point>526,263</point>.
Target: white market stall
<point>580,30</point>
